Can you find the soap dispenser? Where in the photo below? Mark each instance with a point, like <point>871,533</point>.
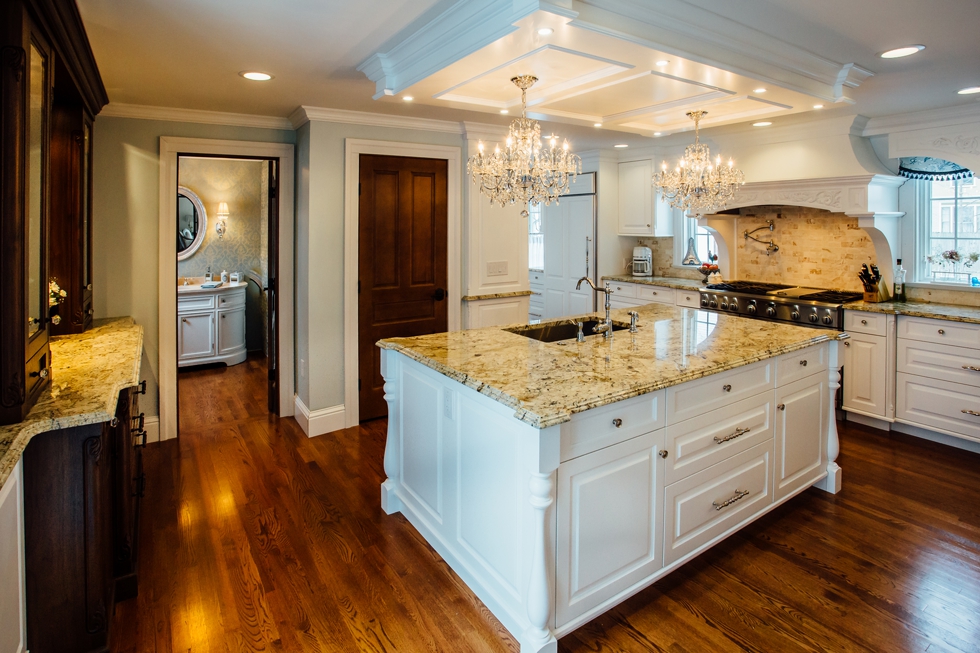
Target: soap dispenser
<point>207,275</point>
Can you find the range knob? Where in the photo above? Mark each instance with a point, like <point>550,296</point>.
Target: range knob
<point>827,319</point>
<point>751,308</point>
<point>813,317</point>
<point>713,303</point>
<point>724,305</point>
<point>704,300</point>
<point>771,311</point>
<point>733,307</point>
<point>795,315</point>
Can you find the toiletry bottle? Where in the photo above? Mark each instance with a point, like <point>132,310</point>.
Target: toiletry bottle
<point>899,295</point>
<point>224,276</point>
<point>207,275</point>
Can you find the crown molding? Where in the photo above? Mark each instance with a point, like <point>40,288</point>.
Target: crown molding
<point>479,131</point>
<point>173,114</point>
<point>960,114</point>
<point>304,114</point>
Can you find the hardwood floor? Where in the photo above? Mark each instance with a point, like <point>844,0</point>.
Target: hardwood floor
<point>257,538</point>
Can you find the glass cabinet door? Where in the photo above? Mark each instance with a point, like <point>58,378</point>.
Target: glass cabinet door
<point>37,295</point>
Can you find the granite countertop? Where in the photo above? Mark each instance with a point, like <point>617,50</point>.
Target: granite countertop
<point>546,383</point>
<point>666,282</point>
<point>196,289</point>
<point>88,371</point>
<point>950,312</point>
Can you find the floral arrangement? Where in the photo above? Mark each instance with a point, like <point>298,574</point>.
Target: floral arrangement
<point>55,294</point>
<point>709,267</point>
<point>952,257</point>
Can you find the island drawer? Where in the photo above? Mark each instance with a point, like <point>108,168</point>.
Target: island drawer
<point>700,442</point>
<point>941,405</point>
<point>707,505</point>
<point>655,294</point>
<point>689,298</point>
<point>872,324</point>
<point>623,289</point>
<point>935,361</point>
<point>607,425</point>
<point>801,364</point>
<point>695,397</point>
<point>961,334</point>
<point>195,303</point>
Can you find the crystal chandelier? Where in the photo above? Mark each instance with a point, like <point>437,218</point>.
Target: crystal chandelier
<point>524,172</point>
<point>697,185</point>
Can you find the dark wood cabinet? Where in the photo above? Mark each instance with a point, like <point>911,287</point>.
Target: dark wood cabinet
<point>49,90</point>
<point>82,489</point>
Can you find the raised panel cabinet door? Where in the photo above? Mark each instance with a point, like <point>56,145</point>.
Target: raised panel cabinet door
<point>610,529</point>
<point>195,335</point>
<point>231,331</point>
<point>636,198</point>
<point>865,374</point>
<point>801,425</point>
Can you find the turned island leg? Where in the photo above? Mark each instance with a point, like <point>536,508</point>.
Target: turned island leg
<point>832,483</point>
<point>390,502</point>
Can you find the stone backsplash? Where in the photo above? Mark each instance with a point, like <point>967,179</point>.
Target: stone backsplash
<point>663,259</point>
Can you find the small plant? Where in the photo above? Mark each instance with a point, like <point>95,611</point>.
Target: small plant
<point>951,257</point>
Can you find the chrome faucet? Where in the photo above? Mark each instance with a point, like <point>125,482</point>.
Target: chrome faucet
<point>606,327</point>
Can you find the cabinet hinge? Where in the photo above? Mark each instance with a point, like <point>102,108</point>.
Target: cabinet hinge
<point>358,286</point>
<point>358,188</point>
<point>358,385</point>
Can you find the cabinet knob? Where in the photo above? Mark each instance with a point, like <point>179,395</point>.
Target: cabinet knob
<point>88,287</point>
<point>663,453</point>
<point>617,422</point>
<point>222,316</point>
<point>726,388</point>
<point>864,322</point>
<point>654,292</point>
<point>847,344</point>
<point>781,406</point>
<point>184,320</point>
<point>648,225</point>
<point>803,362</point>
<point>941,332</point>
<point>91,311</point>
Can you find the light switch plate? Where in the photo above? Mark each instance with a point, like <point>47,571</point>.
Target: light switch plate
<point>496,268</point>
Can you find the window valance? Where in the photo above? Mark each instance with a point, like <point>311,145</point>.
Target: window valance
<point>932,169</point>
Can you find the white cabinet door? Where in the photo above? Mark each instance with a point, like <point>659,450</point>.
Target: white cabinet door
<point>865,374</point>
<point>609,523</point>
<point>231,330</point>
<point>12,616</point>
<point>801,426</point>
<point>636,198</point>
<point>196,336</point>
<point>569,255</point>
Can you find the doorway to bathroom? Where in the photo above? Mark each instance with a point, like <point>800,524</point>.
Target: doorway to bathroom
<point>228,355</point>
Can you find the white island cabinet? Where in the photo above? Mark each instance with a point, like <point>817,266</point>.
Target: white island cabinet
<point>12,617</point>
<point>557,480</point>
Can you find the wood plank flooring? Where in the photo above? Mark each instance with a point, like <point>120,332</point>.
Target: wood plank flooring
<point>256,538</point>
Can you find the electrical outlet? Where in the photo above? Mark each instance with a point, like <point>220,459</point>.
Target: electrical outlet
<point>448,404</point>
<point>496,268</point>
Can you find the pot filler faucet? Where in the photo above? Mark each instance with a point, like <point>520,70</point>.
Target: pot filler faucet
<point>606,327</point>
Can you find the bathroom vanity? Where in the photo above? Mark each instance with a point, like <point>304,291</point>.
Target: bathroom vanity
<point>211,324</point>
<point>559,478</point>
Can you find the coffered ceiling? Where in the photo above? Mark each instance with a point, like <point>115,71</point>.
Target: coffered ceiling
<point>455,58</point>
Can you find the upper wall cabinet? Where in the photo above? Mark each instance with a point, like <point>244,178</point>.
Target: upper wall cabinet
<point>640,212</point>
<point>46,69</point>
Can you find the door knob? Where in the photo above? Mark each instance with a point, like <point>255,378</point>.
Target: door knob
<point>439,294</point>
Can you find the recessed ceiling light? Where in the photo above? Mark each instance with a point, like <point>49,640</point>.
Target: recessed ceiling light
<point>818,106</point>
<point>759,90</point>
<point>764,123</point>
<point>546,31</point>
<point>407,98</point>
<point>970,90</point>
<point>504,111</point>
<point>663,62</point>
<point>621,145</point>
<point>656,133</point>
<point>902,52</point>
<point>598,124</point>
<point>255,76</point>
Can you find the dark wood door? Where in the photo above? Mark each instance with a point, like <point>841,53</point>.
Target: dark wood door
<point>273,292</point>
<point>402,256</point>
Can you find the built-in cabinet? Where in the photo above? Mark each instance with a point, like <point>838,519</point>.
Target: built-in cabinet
<point>211,326</point>
<point>641,213</point>
<point>869,368</point>
<point>628,295</point>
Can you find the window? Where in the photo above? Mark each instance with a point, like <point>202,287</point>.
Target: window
<point>535,239</point>
<point>952,224</point>
<point>704,242</point>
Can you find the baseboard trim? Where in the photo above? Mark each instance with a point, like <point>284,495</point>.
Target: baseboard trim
<point>151,425</point>
<point>948,439</point>
<point>867,420</point>
<point>319,421</point>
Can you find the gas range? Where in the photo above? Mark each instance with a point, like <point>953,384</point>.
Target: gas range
<point>811,307</point>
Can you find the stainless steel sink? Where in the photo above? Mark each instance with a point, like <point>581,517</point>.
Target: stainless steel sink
<point>556,332</point>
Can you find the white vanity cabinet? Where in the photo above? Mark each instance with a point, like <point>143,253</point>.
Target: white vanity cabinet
<point>869,368</point>
<point>12,613</point>
<point>211,326</point>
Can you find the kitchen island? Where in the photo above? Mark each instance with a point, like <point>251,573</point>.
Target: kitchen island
<point>559,478</point>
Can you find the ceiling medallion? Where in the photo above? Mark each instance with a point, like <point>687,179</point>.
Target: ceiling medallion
<point>524,172</point>
<point>697,185</point>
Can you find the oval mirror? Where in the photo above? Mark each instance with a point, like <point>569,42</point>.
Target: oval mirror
<point>192,223</point>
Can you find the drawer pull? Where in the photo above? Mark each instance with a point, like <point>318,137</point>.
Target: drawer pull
<point>970,412</point>
<point>663,453</point>
<point>739,432</point>
<point>739,494</point>
<point>847,344</point>
<point>653,292</point>
<point>803,362</point>
<point>781,406</point>
<point>726,388</point>
<point>864,322</point>
<point>942,332</point>
<point>617,422</point>
<point>971,368</point>
<point>42,373</point>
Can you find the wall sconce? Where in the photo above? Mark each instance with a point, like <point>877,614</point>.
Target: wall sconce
<point>219,225</point>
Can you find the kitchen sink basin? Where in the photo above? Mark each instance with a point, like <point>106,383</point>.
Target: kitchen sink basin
<point>556,332</point>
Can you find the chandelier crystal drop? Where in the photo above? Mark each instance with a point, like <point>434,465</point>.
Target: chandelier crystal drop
<point>697,185</point>
<point>524,172</point>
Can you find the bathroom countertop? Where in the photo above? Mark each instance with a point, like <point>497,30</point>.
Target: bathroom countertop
<point>950,312</point>
<point>88,371</point>
<point>665,282</point>
<point>546,383</point>
<point>196,289</point>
